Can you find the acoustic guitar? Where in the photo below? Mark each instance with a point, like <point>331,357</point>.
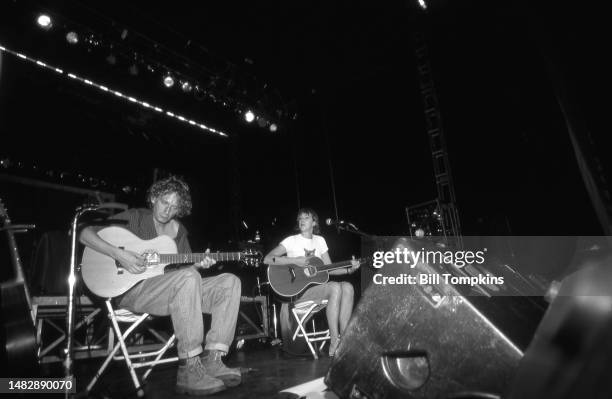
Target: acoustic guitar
<point>290,280</point>
<point>105,277</point>
<point>19,324</point>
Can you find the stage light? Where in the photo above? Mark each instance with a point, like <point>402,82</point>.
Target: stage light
<point>273,127</point>
<point>422,4</point>
<point>249,116</point>
<point>262,122</point>
<point>72,37</point>
<point>186,86</point>
<point>44,21</point>
<point>168,81</point>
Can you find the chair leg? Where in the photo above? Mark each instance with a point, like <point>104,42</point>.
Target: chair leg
<point>301,327</point>
<point>102,368</point>
<point>113,348</point>
<point>306,313</point>
<point>126,354</point>
<point>120,339</point>
<point>159,356</point>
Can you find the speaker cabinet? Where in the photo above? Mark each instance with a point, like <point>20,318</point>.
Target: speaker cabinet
<point>430,340</point>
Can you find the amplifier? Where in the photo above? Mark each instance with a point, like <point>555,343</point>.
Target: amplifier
<point>431,340</point>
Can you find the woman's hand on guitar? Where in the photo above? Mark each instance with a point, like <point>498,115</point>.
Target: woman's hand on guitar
<point>354,265</point>
<point>206,262</point>
<point>131,261</point>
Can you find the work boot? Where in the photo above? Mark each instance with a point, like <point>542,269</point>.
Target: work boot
<point>192,379</point>
<point>215,367</point>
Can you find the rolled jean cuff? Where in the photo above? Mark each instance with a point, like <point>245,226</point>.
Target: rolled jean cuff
<point>217,347</point>
<point>191,353</point>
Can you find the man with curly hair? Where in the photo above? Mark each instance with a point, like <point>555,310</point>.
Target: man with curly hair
<point>183,295</point>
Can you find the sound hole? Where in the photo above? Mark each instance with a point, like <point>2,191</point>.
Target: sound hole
<point>407,370</point>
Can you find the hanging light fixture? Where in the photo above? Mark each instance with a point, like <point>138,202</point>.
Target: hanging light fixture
<point>44,21</point>
<point>168,80</point>
<point>72,37</point>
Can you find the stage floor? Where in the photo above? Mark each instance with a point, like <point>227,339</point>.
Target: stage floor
<point>266,372</point>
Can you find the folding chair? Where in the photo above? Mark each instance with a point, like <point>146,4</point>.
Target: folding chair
<point>302,312</point>
<point>134,320</point>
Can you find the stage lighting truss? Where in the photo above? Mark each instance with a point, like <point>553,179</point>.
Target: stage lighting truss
<point>111,91</point>
<point>215,90</point>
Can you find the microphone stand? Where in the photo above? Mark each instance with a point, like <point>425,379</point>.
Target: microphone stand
<point>68,372</point>
<point>70,311</point>
<point>351,228</point>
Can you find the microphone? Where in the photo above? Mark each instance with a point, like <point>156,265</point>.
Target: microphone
<point>334,222</point>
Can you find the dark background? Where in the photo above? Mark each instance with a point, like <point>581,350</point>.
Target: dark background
<point>345,74</point>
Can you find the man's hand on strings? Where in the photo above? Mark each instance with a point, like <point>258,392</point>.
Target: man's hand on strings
<point>206,262</point>
<point>131,261</point>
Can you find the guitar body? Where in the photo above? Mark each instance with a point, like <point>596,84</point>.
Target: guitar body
<point>105,278</point>
<point>290,280</point>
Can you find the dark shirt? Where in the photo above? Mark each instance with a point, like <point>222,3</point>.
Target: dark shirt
<point>140,222</point>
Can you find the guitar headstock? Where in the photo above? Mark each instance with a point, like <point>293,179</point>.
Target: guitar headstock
<point>251,257</point>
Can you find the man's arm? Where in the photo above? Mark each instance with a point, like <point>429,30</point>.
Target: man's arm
<point>185,248</point>
<point>277,257</point>
<point>131,261</point>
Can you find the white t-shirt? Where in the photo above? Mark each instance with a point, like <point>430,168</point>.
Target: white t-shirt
<point>298,245</point>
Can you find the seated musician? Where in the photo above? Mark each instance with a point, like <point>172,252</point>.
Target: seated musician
<point>298,249</point>
<point>183,295</point>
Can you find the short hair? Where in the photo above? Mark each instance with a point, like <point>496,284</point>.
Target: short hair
<point>172,184</point>
<point>315,218</point>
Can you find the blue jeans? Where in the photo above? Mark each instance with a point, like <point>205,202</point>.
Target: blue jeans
<point>184,295</point>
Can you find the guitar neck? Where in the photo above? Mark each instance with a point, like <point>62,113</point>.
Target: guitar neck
<point>334,266</point>
<point>198,257</point>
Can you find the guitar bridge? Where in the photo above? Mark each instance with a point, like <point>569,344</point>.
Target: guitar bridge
<point>120,268</point>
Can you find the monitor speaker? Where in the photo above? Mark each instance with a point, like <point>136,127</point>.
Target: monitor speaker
<point>431,340</point>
